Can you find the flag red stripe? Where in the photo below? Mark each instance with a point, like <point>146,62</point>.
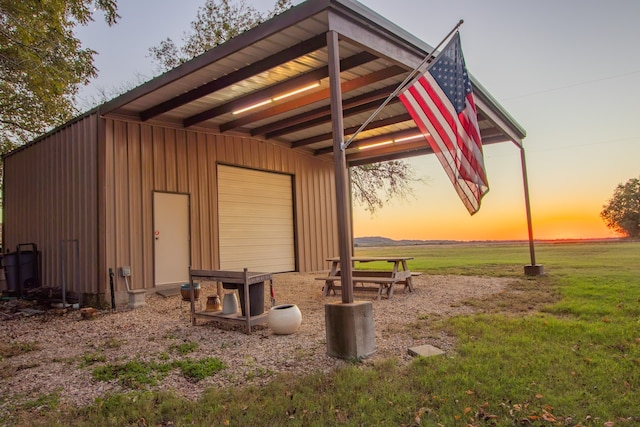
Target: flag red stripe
<point>453,123</point>
<point>437,124</point>
<point>471,128</point>
<point>442,147</point>
<point>464,163</point>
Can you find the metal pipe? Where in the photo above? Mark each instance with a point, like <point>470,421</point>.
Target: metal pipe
<point>77,243</point>
<point>527,203</point>
<point>113,297</point>
<point>63,262</point>
<point>63,270</point>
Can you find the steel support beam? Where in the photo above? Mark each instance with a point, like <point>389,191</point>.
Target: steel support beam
<point>533,269</point>
<point>340,166</point>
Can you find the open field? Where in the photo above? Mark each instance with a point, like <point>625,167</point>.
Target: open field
<point>557,350</point>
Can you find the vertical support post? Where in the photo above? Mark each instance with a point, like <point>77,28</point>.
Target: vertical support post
<point>533,269</point>
<point>247,299</point>
<point>340,166</point>
<point>77,284</point>
<point>102,189</point>
<point>63,273</point>
<point>192,303</point>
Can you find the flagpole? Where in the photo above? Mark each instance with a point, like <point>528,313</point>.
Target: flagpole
<point>401,86</point>
<point>532,269</point>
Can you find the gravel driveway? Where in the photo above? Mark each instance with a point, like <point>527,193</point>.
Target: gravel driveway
<point>64,341</point>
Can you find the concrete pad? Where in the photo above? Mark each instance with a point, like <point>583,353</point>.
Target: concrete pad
<point>136,298</point>
<point>425,351</point>
<point>350,329</point>
<point>31,311</point>
<point>168,292</point>
<point>534,270</point>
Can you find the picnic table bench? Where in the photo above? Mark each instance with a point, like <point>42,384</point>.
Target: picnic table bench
<point>384,280</point>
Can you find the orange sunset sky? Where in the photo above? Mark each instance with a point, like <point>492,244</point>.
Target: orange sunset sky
<point>435,212</point>
<point>567,71</point>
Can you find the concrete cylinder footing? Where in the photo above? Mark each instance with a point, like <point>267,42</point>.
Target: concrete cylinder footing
<point>350,329</point>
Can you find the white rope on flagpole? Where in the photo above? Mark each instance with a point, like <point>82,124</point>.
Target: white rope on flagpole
<point>401,86</point>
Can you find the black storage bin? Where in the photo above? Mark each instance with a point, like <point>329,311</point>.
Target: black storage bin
<point>22,269</point>
<point>256,298</point>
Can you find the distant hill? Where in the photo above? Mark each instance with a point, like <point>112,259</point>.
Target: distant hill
<point>385,241</point>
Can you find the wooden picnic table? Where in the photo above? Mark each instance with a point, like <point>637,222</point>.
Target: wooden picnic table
<point>384,279</point>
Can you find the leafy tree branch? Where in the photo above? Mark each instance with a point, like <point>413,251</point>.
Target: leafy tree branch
<point>42,63</point>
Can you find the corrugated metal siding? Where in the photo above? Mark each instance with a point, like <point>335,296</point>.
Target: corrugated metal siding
<point>50,196</point>
<point>142,158</point>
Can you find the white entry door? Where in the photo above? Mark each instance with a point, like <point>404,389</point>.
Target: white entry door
<point>171,238</point>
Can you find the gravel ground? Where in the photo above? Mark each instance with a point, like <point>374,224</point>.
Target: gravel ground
<point>63,339</point>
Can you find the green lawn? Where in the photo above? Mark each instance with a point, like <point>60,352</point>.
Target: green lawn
<point>557,350</point>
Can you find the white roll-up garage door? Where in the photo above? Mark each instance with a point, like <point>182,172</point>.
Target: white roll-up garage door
<point>255,212</point>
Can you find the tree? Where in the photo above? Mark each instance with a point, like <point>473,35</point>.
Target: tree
<point>42,63</point>
<point>375,184</point>
<point>622,213</point>
<point>216,22</point>
<point>220,20</point>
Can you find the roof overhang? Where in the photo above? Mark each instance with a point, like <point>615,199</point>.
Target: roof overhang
<point>272,83</point>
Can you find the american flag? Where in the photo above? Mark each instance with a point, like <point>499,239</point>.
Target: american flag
<point>441,103</point>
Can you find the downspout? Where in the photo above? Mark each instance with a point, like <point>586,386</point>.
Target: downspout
<point>102,271</point>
